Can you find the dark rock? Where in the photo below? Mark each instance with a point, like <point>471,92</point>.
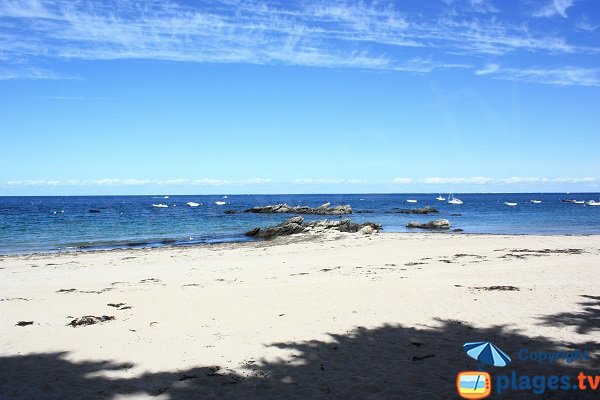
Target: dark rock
<point>297,225</point>
<point>93,210</point>
<point>424,210</point>
<point>456,215</point>
<point>436,224</point>
<point>344,225</point>
<point>24,323</point>
<point>288,227</point>
<point>458,230</point>
<point>324,209</point>
<point>90,320</point>
<point>230,212</point>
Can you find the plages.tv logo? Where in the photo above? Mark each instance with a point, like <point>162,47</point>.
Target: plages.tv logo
<point>478,384</point>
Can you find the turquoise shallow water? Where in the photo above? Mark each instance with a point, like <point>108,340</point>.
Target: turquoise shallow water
<point>34,224</point>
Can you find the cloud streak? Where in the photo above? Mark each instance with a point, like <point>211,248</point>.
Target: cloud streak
<point>337,34</point>
<point>555,7</point>
<point>131,182</point>
<point>560,76</point>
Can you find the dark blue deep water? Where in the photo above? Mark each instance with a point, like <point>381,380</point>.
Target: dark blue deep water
<point>34,224</point>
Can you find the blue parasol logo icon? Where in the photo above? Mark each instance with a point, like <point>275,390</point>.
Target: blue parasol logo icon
<point>487,354</point>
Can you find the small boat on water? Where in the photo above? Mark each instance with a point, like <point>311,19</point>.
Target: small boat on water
<point>166,197</point>
<point>220,203</point>
<point>510,204</point>
<point>454,200</point>
<point>411,201</point>
<point>192,204</point>
<point>573,201</point>
<point>225,197</point>
<point>440,198</point>
<point>160,205</point>
<point>593,203</point>
<point>536,201</point>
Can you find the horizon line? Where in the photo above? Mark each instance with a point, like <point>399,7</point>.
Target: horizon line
<point>287,194</point>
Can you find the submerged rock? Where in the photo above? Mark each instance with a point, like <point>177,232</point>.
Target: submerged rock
<point>297,225</point>
<point>435,224</point>
<point>423,210</point>
<point>324,209</point>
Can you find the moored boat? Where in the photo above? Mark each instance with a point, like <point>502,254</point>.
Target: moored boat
<point>454,200</point>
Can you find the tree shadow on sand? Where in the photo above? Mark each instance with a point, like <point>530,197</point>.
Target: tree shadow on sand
<point>585,321</point>
<point>387,362</point>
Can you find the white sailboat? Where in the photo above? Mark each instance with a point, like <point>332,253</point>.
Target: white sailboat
<point>454,200</point>
<point>192,204</point>
<point>160,205</point>
<point>510,204</point>
<point>593,203</point>
<point>440,198</point>
<point>220,203</point>
<point>536,201</point>
<point>411,201</point>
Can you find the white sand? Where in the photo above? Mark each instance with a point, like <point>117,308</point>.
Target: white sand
<point>280,319</point>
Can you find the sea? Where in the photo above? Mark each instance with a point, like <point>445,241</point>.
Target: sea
<point>59,224</point>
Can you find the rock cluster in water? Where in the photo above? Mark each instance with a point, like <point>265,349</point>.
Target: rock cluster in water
<point>423,210</point>
<point>325,209</point>
<point>297,225</point>
<point>435,224</point>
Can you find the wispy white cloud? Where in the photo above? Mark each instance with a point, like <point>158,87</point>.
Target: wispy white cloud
<point>138,182</point>
<point>476,180</point>
<point>575,180</point>
<point>328,181</point>
<point>346,34</point>
<point>481,180</point>
<point>585,25</point>
<point>488,69</point>
<point>555,7</point>
<point>131,182</point>
<point>561,76</point>
<point>31,73</point>
<point>524,179</point>
<point>402,181</point>
<point>474,6</point>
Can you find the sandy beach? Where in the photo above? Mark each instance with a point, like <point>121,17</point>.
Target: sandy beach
<point>305,317</point>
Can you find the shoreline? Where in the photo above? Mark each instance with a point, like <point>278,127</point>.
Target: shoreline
<point>297,237</point>
<point>273,241</point>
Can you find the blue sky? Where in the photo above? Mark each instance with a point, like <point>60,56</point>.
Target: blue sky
<point>124,97</point>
